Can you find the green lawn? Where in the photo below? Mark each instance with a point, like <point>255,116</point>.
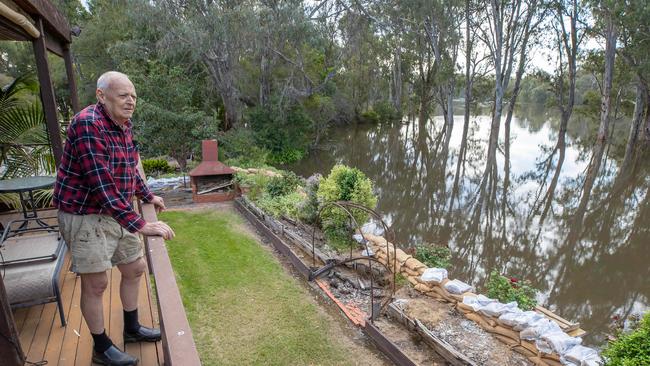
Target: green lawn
<point>243,308</point>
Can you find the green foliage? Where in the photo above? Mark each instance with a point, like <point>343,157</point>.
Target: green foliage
<point>400,280</point>
<point>309,207</point>
<point>257,184</point>
<point>507,289</point>
<point>630,348</point>
<point>369,116</point>
<point>278,206</point>
<point>344,184</point>
<point>283,185</point>
<point>285,133</point>
<point>239,147</point>
<point>386,112</point>
<point>155,167</point>
<point>433,255</point>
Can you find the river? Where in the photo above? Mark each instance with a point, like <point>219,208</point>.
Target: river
<point>590,270</point>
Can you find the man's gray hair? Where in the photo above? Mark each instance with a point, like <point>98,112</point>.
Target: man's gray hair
<point>104,81</point>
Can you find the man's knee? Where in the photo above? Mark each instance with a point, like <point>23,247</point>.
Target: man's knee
<point>94,284</point>
<point>133,270</point>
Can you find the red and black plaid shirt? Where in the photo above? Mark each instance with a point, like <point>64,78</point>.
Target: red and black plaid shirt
<point>98,172</point>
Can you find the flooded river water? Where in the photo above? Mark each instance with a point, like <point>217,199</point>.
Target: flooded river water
<point>589,270</point>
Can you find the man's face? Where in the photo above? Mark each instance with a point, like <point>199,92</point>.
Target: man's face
<point>118,99</point>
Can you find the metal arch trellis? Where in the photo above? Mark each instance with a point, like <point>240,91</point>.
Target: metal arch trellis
<point>390,237</point>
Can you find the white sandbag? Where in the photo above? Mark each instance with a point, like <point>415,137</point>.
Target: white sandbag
<point>372,228</point>
<point>520,320</point>
<point>535,330</point>
<point>581,356</point>
<point>367,253</point>
<point>457,287</point>
<point>358,238</point>
<point>496,308</point>
<point>556,342</point>
<point>477,302</point>
<point>434,274</point>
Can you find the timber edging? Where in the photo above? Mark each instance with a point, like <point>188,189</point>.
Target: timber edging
<point>388,348</point>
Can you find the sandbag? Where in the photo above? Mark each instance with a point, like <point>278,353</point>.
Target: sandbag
<point>479,320</point>
<point>422,288</point>
<point>529,346</point>
<point>410,272</point>
<point>536,329</point>
<point>582,356</point>
<point>551,361</point>
<point>506,340</point>
<point>414,264</point>
<point>537,361</point>
<point>507,332</point>
<point>496,309</point>
<point>436,275</point>
<point>413,280</point>
<point>524,351</point>
<point>556,341</point>
<point>402,257</point>
<point>464,308</point>
<point>457,287</point>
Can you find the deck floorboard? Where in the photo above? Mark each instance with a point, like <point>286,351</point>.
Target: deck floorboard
<point>43,338</point>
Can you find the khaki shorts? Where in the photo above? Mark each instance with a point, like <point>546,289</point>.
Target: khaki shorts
<point>98,242</point>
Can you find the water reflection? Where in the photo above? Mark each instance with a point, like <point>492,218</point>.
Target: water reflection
<point>590,260</point>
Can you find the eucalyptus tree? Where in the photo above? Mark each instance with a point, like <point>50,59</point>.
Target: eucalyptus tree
<point>506,26</point>
<point>568,27</point>
<point>605,13</point>
<point>635,42</point>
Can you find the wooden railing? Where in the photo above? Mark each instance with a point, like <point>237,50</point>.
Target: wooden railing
<point>178,344</point>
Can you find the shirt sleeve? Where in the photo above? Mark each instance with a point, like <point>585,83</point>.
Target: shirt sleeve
<point>94,156</point>
<point>141,189</point>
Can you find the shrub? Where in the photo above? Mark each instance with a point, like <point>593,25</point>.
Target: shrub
<point>507,289</point>
<point>285,205</point>
<point>240,149</point>
<point>631,348</point>
<point>285,132</point>
<point>283,185</point>
<point>344,184</point>
<point>433,255</point>
<point>386,112</point>
<point>155,167</point>
<point>369,116</point>
<point>308,209</point>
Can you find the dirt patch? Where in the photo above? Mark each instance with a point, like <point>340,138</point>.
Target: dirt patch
<point>463,334</point>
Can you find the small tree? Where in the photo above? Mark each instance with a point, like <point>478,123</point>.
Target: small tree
<point>344,184</point>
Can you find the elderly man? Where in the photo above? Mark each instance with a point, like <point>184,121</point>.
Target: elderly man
<point>94,189</point>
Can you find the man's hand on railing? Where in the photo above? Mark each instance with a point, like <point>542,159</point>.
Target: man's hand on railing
<point>158,203</point>
<point>157,228</point>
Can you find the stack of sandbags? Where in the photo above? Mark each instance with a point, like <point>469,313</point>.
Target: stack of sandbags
<point>529,333</point>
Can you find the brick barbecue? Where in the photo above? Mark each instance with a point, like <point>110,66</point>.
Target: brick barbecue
<point>212,180</point>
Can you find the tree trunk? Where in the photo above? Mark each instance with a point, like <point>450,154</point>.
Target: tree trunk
<point>605,110</point>
<point>396,90</point>
<point>639,108</point>
<point>221,70</point>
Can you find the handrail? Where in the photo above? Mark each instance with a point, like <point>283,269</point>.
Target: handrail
<point>177,340</point>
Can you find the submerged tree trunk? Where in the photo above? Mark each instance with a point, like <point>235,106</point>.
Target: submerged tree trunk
<point>605,111</point>
<point>635,126</point>
<point>396,90</point>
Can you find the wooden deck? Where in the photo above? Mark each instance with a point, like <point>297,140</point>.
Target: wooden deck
<point>43,338</point>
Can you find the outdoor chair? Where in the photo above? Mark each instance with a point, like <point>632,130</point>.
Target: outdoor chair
<point>30,265</point>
